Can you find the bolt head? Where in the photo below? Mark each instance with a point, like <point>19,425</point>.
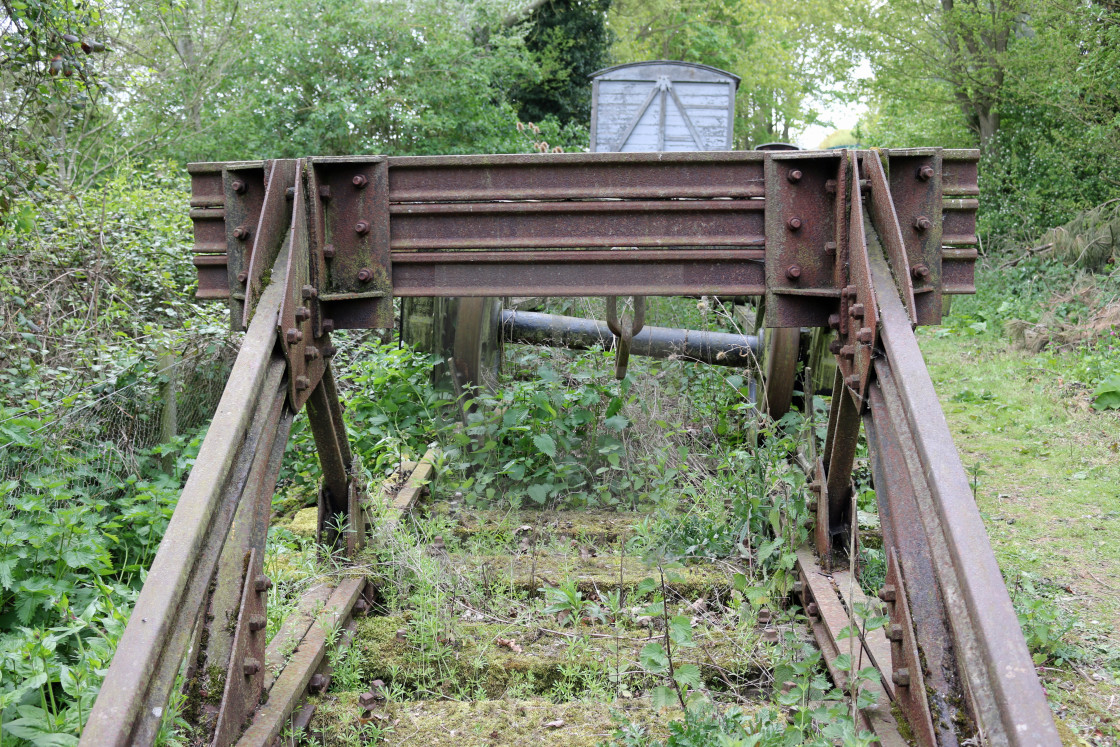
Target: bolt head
<point>328,326</point>
<point>834,347</point>
<point>919,272</point>
<point>257,622</point>
<point>290,193</point>
<point>328,251</point>
<point>308,292</point>
<point>798,587</point>
<point>853,381</point>
<point>922,223</point>
<point>856,310</point>
<point>834,321</point>
<point>794,224</point>
<point>293,336</point>
<point>319,683</point>
<point>250,667</point>
<point>793,272</point>
<point>830,186</point>
<point>925,173</point>
<point>894,632</point>
<point>770,635</point>
<point>242,276</point>
<point>365,275</point>
<point>830,247</point>
<point>262,583</point>
<point>901,677</point>
<point>302,314</point>
<point>330,351</point>
<point>794,176</point>
<point>324,192</point>
<point>367,701</point>
<point>847,352</point>
<point>362,227</point>
<point>812,610</point>
<point>302,382</point>
<point>238,186</point>
<point>360,181</point>
<point>887,593</point>
<point>241,233</point>
<point>312,353</point>
<point>361,608</point>
<point>865,335</point>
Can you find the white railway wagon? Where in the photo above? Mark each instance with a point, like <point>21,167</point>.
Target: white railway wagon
<point>662,106</point>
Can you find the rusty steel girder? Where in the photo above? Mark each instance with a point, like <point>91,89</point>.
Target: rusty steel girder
<point>864,242</point>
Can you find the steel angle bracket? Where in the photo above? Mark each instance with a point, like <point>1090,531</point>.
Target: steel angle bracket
<point>801,227</point>
<point>350,264</point>
<point>271,231</point>
<point>244,187</point>
<point>916,185</point>
<point>906,673</point>
<point>245,676</point>
<point>859,307</point>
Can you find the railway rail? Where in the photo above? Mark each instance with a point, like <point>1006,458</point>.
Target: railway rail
<point>863,243</point>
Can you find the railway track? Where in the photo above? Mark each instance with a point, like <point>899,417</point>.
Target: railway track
<point>862,243</point>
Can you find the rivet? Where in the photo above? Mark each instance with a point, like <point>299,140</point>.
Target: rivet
<point>308,292</point>
<point>856,310</point>
<point>360,181</point>
<point>324,192</point>
<point>887,593</point>
<point>328,251</point>
<point>853,381</point>
<point>365,275</point>
<point>834,321</point>
<point>794,224</point>
<point>303,314</point>
<point>242,276</point>
<point>925,173</point>
<point>794,176</point>
<point>250,667</point>
<point>919,272</point>
<point>257,622</point>
<point>262,583</point>
<point>865,335</point>
<point>241,233</point>
<point>293,336</point>
<point>238,186</point>
<point>302,382</point>
<point>922,223</point>
<point>793,272</point>
<point>362,227</point>
<point>901,677</point>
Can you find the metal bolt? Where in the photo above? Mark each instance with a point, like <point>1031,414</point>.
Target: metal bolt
<point>922,223</point>
<point>830,186</point>
<point>764,616</point>
<point>365,275</point>
<point>262,584</point>
<point>308,292</point>
<point>367,701</point>
<point>362,227</point>
<point>830,247</point>
<point>770,635</point>
<point>798,587</point>
<point>919,272</point>
<point>925,173</point>
<point>303,314</point>
<point>794,224</point>
<point>848,291</point>
<point>812,610</point>
<point>238,186</point>
<point>328,251</point>
<point>311,353</point>
<point>293,336</point>
<point>324,192</point>
<point>241,233</point>
<point>894,633</point>
<point>887,593</point>
<point>865,185</point>
<point>865,335</point>
<point>853,381</point>
<point>794,176</point>
<point>856,310</point>
<point>302,382</point>
<point>328,326</point>
<point>901,677</point>
<point>812,506</point>
<point>847,352</point>
<point>834,321</point>
<point>815,486</point>
<point>360,181</point>
<point>330,351</point>
<point>319,683</point>
<point>290,193</point>
<point>257,622</point>
<point>361,608</point>
<point>250,667</point>
<point>242,276</point>
<point>793,272</point>
<point>834,347</point>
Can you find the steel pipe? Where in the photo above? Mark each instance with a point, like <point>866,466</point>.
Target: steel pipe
<point>715,348</point>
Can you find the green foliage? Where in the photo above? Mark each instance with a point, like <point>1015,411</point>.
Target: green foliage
<point>568,41</point>
<point>1044,624</point>
<point>1107,394</point>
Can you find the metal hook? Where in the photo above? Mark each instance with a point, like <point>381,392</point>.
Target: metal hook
<point>625,334</point>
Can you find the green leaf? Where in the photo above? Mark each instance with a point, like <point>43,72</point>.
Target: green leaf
<point>545,444</point>
<point>539,492</point>
<point>616,422</point>
<point>1107,395</point>
<point>680,631</point>
<point>687,675</point>
<point>663,697</point>
<point>645,586</point>
<point>653,658</point>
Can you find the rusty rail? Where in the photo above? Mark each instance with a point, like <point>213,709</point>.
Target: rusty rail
<point>861,242</point>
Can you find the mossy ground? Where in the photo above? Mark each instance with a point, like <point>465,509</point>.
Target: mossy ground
<point>1047,477</point>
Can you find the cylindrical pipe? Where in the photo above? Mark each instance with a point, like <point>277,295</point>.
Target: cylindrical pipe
<point>716,348</point>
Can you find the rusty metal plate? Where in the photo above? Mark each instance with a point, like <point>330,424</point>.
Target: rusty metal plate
<point>907,677</point>
<point>881,207</point>
<point>915,184</point>
<point>575,176</point>
<point>244,198</point>
<point>959,172</point>
<point>245,676</point>
<point>212,282</point>
<point>958,271</point>
<point>800,238</point>
<point>271,231</point>
<point>959,222</point>
<point>859,307</point>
